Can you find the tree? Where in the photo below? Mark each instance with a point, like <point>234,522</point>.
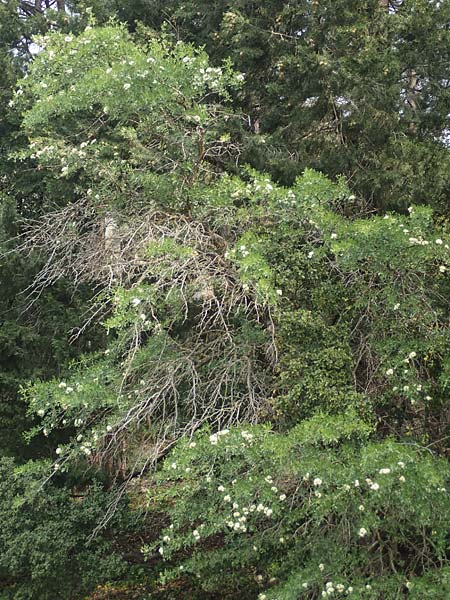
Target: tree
<point>25,326</point>
<point>343,87</point>
<point>271,381</point>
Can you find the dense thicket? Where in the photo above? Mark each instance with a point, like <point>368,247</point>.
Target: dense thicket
<point>224,266</point>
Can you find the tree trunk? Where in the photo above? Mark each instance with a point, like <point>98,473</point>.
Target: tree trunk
<point>412,90</point>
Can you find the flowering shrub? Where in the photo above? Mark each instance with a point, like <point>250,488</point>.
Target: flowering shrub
<point>369,301</point>
<point>291,516</point>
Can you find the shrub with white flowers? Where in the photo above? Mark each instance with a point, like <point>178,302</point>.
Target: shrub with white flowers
<point>351,541</point>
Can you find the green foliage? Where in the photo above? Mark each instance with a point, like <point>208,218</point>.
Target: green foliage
<point>167,126</point>
<point>346,87</point>
<point>207,297</point>
<point>292,518</point>
<point>44,548</point>
<point>34,331</point>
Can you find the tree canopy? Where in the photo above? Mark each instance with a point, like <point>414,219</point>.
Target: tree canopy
<point>224,315</point>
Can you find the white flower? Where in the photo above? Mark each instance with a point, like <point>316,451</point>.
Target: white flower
<point>58,450</point>
<point>375,486</point>
<point>311,254</point>
<point>333,236</point>
<point>317,481</point>
<point>62,384</point>
<point>401,464</point>
<point>321,567</point>
<point>196,534</point>
<point>126,86</point>
<point>174,465</point>
<point>442,269</point>
<point>274,489</point>
<point>361,508</point>
<point>282,497</point>
<point>79,437</point>
<point>227,498</point>
<point>362,532</point>
<point>396,306</point>
<point>356,483</point>
<point>412,355</point>
<point>402,479</point>
<point>439,241</point>
<point>161,550</point>
<point>41,412</point>
<point>68,38</point>
<point>108,428</point>
<point>390,372</point>
<point>384,471</point>
<point>135,301</point>
<point>280,292</point>
<point>221,488</point>
<point>192,445</point>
